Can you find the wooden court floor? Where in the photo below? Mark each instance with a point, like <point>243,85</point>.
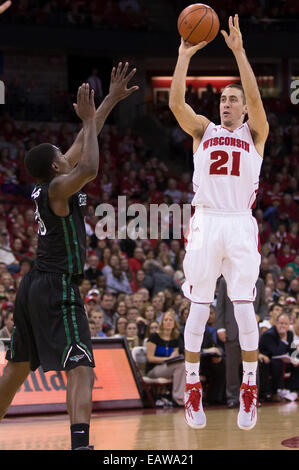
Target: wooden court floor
<point>157,430</point>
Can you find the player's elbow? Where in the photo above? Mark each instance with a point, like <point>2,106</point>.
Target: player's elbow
<point>174,105</point>
<point>89,172</point>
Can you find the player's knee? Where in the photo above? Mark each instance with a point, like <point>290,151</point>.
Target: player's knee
<point>245,317</point>
<point>82,374</point>
<point>247,324</point>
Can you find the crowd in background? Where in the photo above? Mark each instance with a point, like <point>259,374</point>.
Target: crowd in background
<point>129,285</point>
<point>252,9</point>
<point>137,14</point>
<point>107,14</point>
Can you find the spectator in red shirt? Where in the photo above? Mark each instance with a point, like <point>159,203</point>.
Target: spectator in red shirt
<point>272,244</point>
<point>137,282</point>
<point>131,185</point>
<point>136,262</point>
<point>264,226</point>
<point>293,189</point>
<point>286,256</point>
<point>274,195</point>
<point>281,235</point>
<point>183,183</point>
<point>17,248</point>
<point>156,196</point>
<point>288,209</point>
<point>293,236</point>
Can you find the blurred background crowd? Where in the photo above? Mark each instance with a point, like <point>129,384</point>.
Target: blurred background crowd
<point>132,288</point>
<point>138,14</point>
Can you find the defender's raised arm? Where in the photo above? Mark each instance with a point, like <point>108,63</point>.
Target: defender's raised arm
<point>66,184</point>
<point>117,91</point>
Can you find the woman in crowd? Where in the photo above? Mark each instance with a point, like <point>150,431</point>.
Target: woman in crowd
<point>162,346</point>
<point>131,334</point>
<point>152,327</point>
<point>120,327</point>
<point>121,308</point>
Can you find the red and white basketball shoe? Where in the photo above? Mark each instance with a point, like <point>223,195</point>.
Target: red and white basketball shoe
<point>194,413</point>
<point>247,415</point>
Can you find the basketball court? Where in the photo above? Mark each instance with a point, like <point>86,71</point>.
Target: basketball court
<point>277,429</point>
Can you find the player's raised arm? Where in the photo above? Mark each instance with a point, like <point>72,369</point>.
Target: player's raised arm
<point>118,91</point>
<point>63,186</point>
<point>4,6</point>
<point>257,120</point>
<point>192,123</point>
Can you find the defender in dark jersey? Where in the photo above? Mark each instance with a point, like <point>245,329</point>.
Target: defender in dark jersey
<point>51,327</point>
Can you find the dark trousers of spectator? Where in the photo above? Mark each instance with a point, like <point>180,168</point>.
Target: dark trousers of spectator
<point>215,375</point>
<point>233,362</point>
<point>272,379</point>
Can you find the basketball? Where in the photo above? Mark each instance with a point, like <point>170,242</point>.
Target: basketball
<point>198,22</point>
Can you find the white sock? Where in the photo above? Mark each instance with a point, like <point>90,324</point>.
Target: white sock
<point>249,372</point>
<point>192,372</point>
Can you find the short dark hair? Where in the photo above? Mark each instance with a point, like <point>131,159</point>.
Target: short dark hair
<point>107,294</point>
<point>38,161</point>
<point>239,87</point>
<point>273,306</point>
<point>25,259</point>
<point>132,308</point>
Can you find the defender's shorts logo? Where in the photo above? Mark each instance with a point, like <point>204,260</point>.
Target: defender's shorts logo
<point>77,357</point>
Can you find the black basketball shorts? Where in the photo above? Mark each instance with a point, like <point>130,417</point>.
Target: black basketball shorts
<point>50,324</point>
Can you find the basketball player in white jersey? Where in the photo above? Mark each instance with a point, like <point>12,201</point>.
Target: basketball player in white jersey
<point>223,235</point>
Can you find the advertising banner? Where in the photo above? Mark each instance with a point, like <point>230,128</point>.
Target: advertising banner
<point>116,384</point>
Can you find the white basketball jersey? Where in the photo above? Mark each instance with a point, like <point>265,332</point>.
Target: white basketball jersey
<point>226,169</point>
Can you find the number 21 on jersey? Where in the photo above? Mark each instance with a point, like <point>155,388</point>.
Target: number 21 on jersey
<point>219,166</point>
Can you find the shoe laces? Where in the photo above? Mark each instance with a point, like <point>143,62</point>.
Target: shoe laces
<point>194,398</point>
<point>249,395</point>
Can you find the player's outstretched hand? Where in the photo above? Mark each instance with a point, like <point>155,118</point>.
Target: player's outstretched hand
<point>85,107</point>
<point>188,49</point>
<point>234,39</point>
<point>119,81</point>
<point>4,6</point>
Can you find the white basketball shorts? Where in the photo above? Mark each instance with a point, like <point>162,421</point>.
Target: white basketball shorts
<point>220,242</point>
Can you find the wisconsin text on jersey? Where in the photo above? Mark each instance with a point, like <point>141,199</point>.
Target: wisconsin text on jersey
<point>231,141</point>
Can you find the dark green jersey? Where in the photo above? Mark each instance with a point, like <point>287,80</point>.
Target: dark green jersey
<point>61,240</point>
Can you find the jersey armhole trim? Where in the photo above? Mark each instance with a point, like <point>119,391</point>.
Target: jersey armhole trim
<point>203,136</point>
<point>253,141</point>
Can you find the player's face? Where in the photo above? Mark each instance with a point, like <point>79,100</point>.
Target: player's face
<point>232,108</point>
<point>62,165</point>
